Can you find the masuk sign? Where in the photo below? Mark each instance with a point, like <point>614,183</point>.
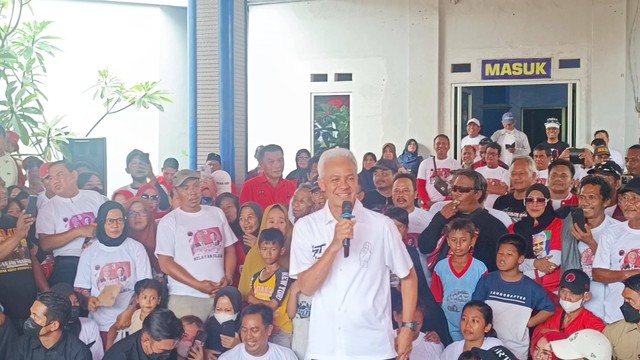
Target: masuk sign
<point>508,69</point>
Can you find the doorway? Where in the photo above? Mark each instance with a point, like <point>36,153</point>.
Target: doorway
<point>531,104</point>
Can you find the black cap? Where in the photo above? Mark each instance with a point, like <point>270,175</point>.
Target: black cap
<point>386,164</point>
<point>215,157</point>
<point>609,168</point>
<point>495,353</point>
<point>575,280</point>
<point>632,185</point>
<point>486,141</point>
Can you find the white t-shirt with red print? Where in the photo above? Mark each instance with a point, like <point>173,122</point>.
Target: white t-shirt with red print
<point>497,175</point>
<point>426,172</point>
<point>195,241</point>
<point>60,215</point>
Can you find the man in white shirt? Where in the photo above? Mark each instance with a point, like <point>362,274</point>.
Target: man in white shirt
<point>427,174</point>
<point>257,325</point>
<point>618,251</point>
<point>66,221</point>
<point>349,280</point>
<point>8,166</point>
<point>473,136</point>
<point>195,249</point>
<point>615,155</point>
<point>513,141</point>
<point>497,177</point>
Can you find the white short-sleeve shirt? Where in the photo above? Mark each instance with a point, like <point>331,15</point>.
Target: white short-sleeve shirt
<point>475,142</point>
<point>352,308</point>
<point>60,215</point>
<point>498,174</point>
<point>275,352</point>
<point>195,241</point>
<point>426,172</point>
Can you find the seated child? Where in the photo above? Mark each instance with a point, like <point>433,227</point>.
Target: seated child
<point>270,285</point>
<point>454,278</point>
<point>513,296</point>
<point>421,348</point>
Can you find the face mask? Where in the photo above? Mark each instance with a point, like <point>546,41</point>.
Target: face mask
<point>75,313</point>
<point>183,348</point>
<point>162,356</point>
<point>569,306</point>
<point>30,328</point>
<point>630,314</point>
<point>223,318</point>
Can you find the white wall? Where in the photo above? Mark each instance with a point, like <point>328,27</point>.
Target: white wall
<point>400,53</point>
<point>137,43</point>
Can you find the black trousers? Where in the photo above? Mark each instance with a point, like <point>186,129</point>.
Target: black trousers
<point>64,270</point>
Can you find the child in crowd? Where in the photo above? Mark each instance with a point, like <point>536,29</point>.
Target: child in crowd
<point>299,309</point>
<point>270,285</point>
<point>454,278</point>
<point>513,296</point>
<point>149,294</point>
<point>421,347</point>
<point>192,326</point>
<point>476,325</point>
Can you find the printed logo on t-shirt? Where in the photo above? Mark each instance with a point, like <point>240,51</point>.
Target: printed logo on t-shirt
<point>542,181</point>
<point>304,309</point>
<point>411,240</point>
<point>541,244</point>
<point>18,259</point>
<point>206,244</point>
<point>631,261</point>
<point>365,254</point>
<point>457,299</point>
<point>115,273</point>
<point>80,220</point>
<point>444,173</point>
<point>316,250</point>
<point>586,259</point>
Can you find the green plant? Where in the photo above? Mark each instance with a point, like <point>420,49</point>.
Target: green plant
<point>24,47</point>
<point>331,122</point>
<point>117,97</point>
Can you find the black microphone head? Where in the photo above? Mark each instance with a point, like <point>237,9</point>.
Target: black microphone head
<point>347,207</point>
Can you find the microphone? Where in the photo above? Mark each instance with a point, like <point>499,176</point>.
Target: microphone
<point>347,208</point>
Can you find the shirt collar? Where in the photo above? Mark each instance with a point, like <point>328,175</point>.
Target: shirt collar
<point>327,217</point>
<point>34,343</point>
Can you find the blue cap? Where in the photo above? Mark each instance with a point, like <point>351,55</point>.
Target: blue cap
<point>507,118</point>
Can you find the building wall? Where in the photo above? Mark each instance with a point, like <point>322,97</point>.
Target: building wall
<point>400,53</point>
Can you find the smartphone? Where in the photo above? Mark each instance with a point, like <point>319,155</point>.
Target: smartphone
<point>201,338</point>
<point>577,214</point>
<point>574,156</point>
<point>32,205</point>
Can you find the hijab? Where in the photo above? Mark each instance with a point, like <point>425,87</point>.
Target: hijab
<point>257,210</point>
<point>101,220</point>
<point>228,328</point>
<point>146,236</point>
<point>235,225</point>
<point>253,262</point>
<point>408,159</point>
<point>393,150</point>
<point>527,227</point>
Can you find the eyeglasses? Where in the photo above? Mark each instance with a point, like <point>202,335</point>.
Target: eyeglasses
<point>462,189</point>
<point>532,200</point>
<point>149,197</point>
<point>137,213</point>
<point>118,221</point>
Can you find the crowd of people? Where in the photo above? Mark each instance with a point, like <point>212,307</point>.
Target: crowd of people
<point>507,252</point>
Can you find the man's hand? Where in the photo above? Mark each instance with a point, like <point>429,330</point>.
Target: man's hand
<point>403,343</point>
<point>565,154</point>
<point>585,237</point>
<point>344,230</point>
<point>123,320</point>
<point>219,285</point>
<point>545,265</point>
<point>588,158</point>
<point>207,286</point>
<point>450,210</point>
<point>24,224</point>
<point>196,352</point>
<point>87,231</point>
<point>93,303</point>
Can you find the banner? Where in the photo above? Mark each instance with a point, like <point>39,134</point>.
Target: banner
<point>511,69</point>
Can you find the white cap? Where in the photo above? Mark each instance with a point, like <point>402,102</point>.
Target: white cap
<point>552,123</point>
<point>587,343</point>
<point>474,120</point>
<point>222,180</point>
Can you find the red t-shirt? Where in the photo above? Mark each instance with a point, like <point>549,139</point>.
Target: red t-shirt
<point>585,320</point>
<point>259,190</point>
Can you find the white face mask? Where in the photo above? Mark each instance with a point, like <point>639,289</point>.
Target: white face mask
<point>569,306</point>
<point>223,318</point>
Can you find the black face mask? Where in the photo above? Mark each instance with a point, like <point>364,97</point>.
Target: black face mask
<point>30,328</point>
<point>161,356</point>
<point>630,314</point>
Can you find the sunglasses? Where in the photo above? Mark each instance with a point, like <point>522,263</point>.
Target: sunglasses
<point>462,189</point>
<point>532,200</point>
<point>149,197</point>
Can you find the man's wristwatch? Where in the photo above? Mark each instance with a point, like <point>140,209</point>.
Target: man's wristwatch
<point>410,325</point>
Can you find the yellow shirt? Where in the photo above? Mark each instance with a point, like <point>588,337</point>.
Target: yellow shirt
<point>276,287</point>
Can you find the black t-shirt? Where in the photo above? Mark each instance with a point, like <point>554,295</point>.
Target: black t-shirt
<point>556,149</point>
<point>17,286</point>
<point>513,207</point>
<point>68,347</point>
<point>375,201</point>
<point>130,348</point>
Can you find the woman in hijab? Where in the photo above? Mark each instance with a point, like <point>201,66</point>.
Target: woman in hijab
<point>143,228</point>
<point>366,175</point>
<point>275,216</point>
<point>543,231</point>
<point>409,159</point>
<point>113,265</point>
<point>230,205</point>
<point>301,173</point>
<point>223,326</point>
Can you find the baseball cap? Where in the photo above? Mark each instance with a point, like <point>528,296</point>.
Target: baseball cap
<point>474,121</point>
<point>486,141</point>
<point>222,180</point>
<point>552,123</point>
<point>495,353</point>
<point>44,170</point>
<point>507,118</point>
<point>587,343</point>
<point>214,157</point>
<point>609,168</point>
<point>632,185</point>
<point>575,280</point>
<point>386,164</point>
<point>601,150</point>
<point>184,174</point>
